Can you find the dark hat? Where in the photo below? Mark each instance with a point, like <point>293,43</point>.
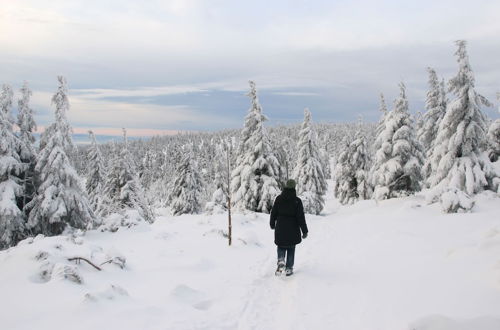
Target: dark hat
<point>290,184</point>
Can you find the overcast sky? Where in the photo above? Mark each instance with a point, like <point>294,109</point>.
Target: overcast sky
<point>155,66</point>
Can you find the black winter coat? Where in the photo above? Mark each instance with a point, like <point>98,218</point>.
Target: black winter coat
<point>287,219</point>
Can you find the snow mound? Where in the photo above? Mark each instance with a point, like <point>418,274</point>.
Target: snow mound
<point>112,292</point>
<point>187,295</point>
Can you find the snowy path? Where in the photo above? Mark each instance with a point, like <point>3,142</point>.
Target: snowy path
<point>351,273</point>
<point>394,266</point>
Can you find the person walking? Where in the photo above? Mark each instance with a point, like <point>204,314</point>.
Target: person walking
<point>287,221</point>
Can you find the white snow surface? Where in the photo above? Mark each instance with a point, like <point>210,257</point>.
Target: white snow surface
<point>398,264</point>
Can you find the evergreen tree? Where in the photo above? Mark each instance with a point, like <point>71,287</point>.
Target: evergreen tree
<point>254,183</point>
<point>345,181</point>
<point>59,201</point>
<point>27,126</point>
<point>459,167</point>
<point>396,171</point>
<point>11,217</point>
<point>360,161</point>
<point>351,171</point>
<point>435,105</point>
<point>311,183</point>
<point>218,201</point>
<point>122,190</point>
<point>187,186</point>
<point>494,138</point>
<point>96,174</point>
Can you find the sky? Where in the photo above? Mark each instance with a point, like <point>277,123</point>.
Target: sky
<point>159,67</point>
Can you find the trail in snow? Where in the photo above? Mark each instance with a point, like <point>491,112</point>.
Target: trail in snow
<point>397,265</point>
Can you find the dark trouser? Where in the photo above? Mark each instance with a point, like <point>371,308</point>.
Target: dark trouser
<point>289,251</point>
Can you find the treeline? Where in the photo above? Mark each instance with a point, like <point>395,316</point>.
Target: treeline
<point>53,186</point>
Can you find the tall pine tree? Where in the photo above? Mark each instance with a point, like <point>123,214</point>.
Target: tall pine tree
<point>122,189</point>
<point>11,217</point>
<point>187,187</point>
<point>96,174</point>
<point>254,183</point>
<point>60,201</point>
<point>396,171</point>
<point>435,105</point>
<point>27,126</point>
<point>311,182</point>
<point>459,166</point>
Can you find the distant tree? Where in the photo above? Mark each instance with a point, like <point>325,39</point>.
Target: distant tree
<point>360,160</point>
<point>345,181</point>
<point>96,174</point>
<point>396,171</point>
<point>122,189</point>
<point>187,186</point>
<point>311,182</point>
<point>459,167</point>
<point>11,217</point>
<point>60,201</point>
<point>254,182</point>
<point>218,201</point>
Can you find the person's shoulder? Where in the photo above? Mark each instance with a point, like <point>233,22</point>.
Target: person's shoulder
<point>298,200</point>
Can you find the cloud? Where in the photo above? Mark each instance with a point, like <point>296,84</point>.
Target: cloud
<point>150,63</point>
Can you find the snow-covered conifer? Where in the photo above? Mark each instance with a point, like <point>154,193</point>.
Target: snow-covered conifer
<point>96,174</point>
<point>345,185</point>
<point>351,171</point>
<point>254,183</point>
<point>494,138</point>
<point>218,201</point>
<point>398,160</point>
<point>60,201</point>
<point>122,190</point>
<point>11,217</point>
<point>360,161</point>
<point>27,126</point>
<point>435,105</point>
<point>187,187</point>
<point>311,183</point>
<point>459,166</point>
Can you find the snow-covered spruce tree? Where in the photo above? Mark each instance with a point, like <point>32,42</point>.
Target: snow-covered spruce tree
<point>96,175</point>
<point>187,187</point>
<point>494,141</point>
<point>122,190</point>
<point>351,171</point>
<point>218,201</point>
<point>60,201</point>
<point>254,183</point>
<point>494,138</point>
<point>345,182</point>
<point>360,161</point>
<point>311,183</point>
<point>435,105</point>
<point>27,126</point>
<point>459,166</point>
<point>398,161</point>
<point>11,217</point>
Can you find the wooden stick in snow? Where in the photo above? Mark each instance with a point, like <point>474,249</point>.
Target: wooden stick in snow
<point>78,259</point>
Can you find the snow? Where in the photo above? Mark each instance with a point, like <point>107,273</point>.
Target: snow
<point>389,265</point>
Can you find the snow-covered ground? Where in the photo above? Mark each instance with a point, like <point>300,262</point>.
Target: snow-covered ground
<point>397,265</point>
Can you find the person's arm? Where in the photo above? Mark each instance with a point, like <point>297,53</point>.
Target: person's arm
<point>274,214</point>
<point>301,218</point>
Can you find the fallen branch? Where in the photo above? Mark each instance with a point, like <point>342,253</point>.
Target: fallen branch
<point>107,262</point>
<point>78,259</point>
